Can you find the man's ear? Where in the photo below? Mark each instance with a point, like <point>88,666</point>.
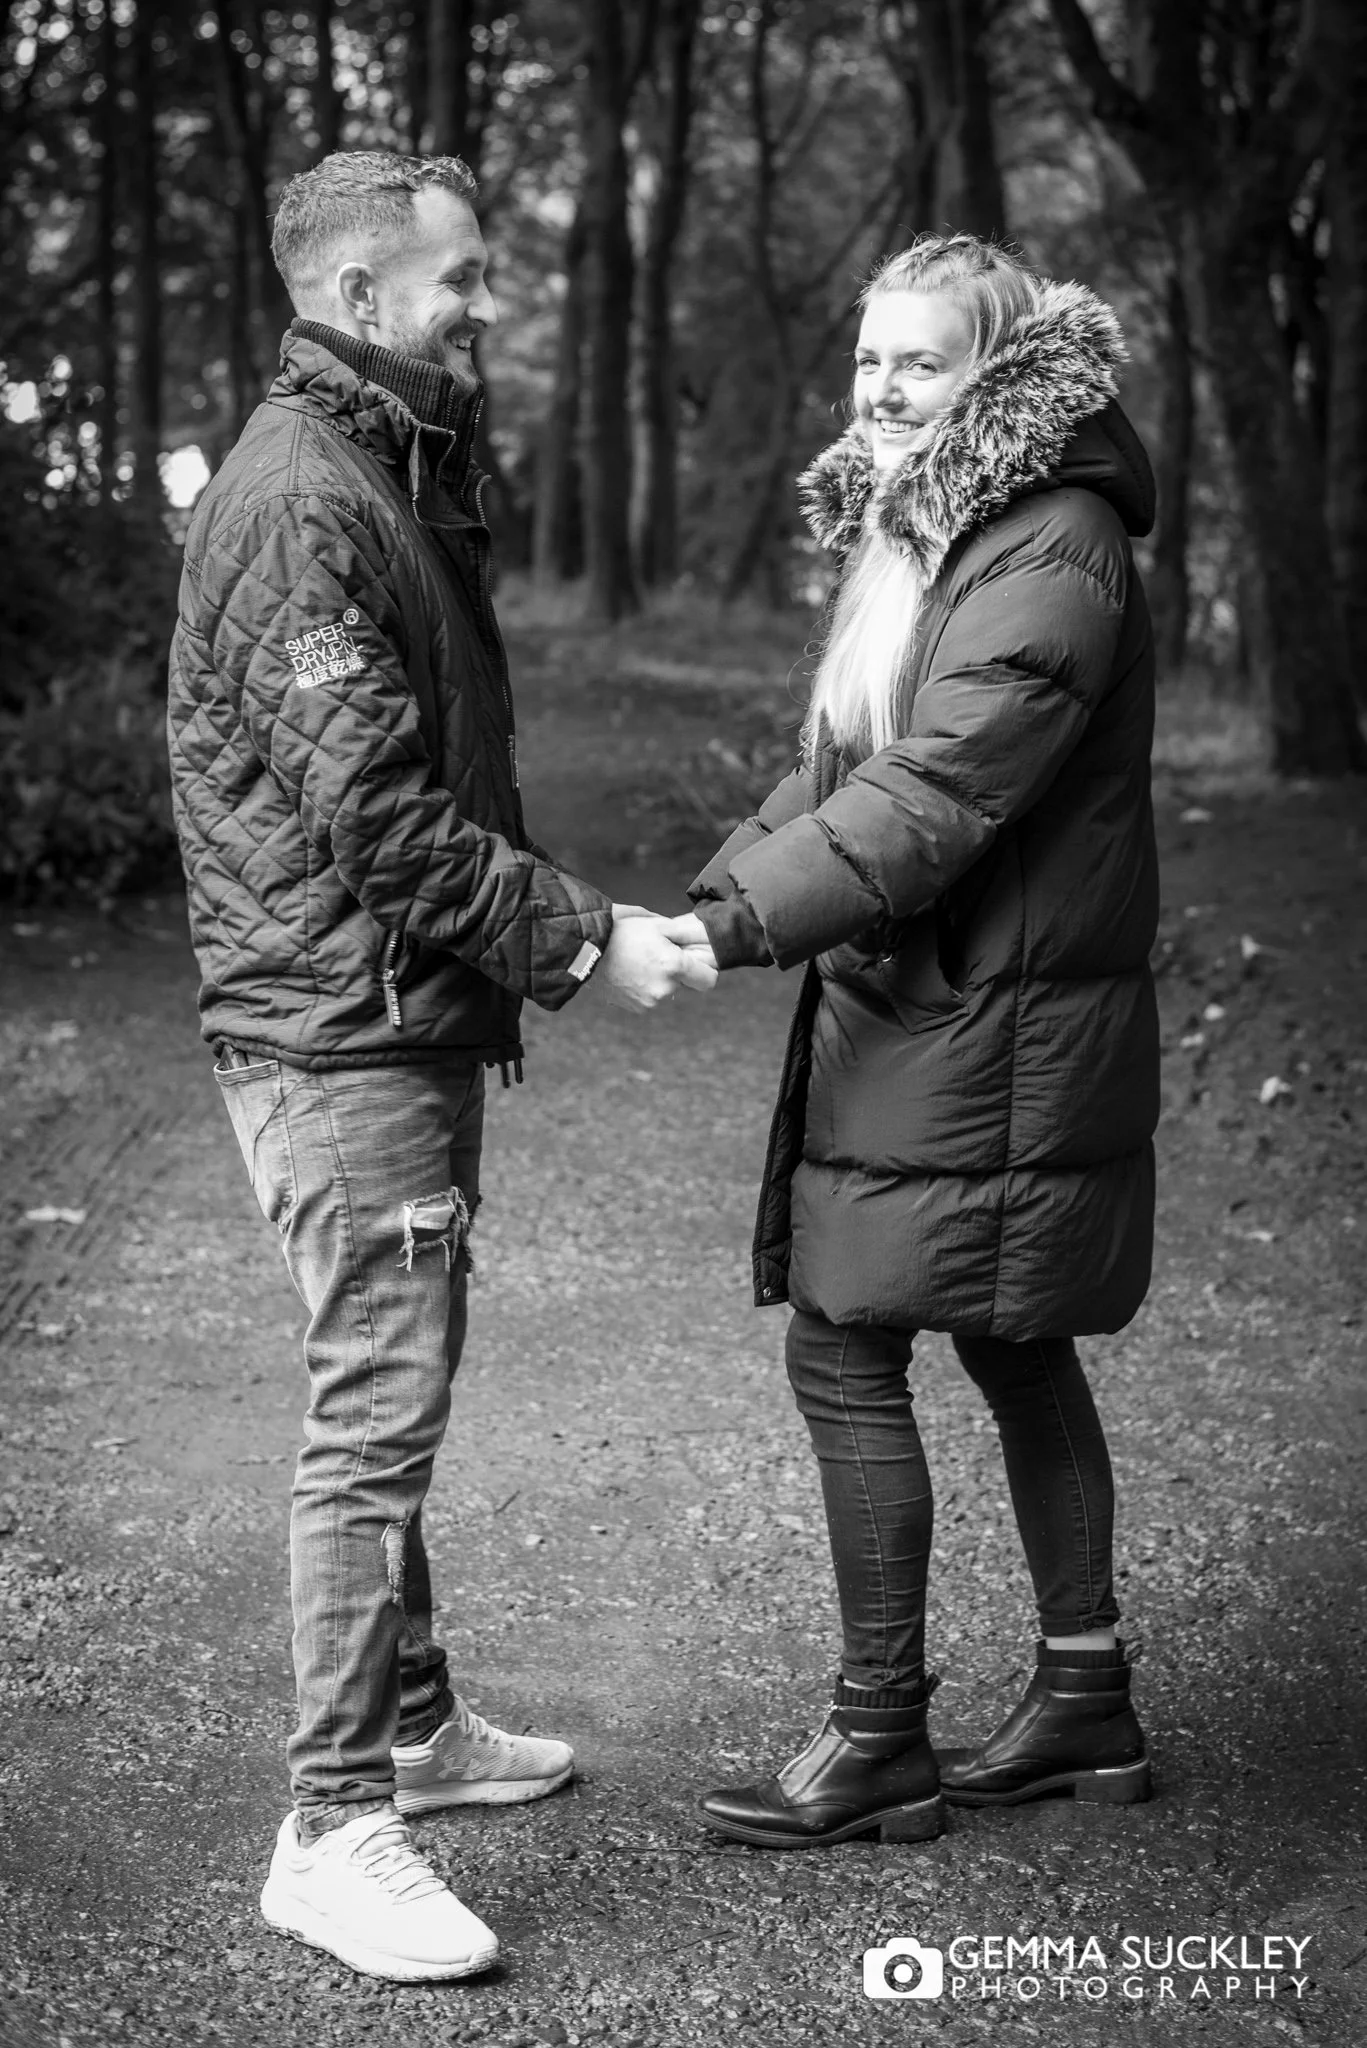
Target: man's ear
<point>356,290</point>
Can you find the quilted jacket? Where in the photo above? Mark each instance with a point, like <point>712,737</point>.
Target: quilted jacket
<point>964,1133</point>
<point>361,887</point>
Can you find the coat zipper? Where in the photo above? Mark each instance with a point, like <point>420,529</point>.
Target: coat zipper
<point>388,980</point>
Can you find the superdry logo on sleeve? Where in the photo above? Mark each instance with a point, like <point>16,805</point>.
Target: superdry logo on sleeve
<point>327,653</point>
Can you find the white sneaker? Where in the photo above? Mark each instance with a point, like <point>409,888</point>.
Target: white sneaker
<point>468,1763</point>
<point>364,1893</point>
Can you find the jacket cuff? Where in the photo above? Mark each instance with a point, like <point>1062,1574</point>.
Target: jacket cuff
<point>807,896</point>
<point>714,881</point>
<point>736,934</point>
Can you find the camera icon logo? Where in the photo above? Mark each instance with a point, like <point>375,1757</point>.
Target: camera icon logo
<point>904,1970</point>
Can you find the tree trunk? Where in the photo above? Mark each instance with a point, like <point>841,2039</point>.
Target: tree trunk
<point>607,320</point>
<point>960,185</point>
<point>760,526</point>
<point>557,526</point>
<point>655,519</point>
<point>412,88</point>
<point>106,258</point>
<point>449,50</point>
<point>1280,484</point>
<point>327,101</point>
<point>246,139</point>
<point>147,367</point>
<point>1346,488</point>
<point>1169,582</point>
<point>1224,202</point>
<point>244,374</point>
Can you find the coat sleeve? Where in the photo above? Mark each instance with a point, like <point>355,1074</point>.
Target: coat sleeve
<point>1022,663</point>
<point>309,644</point>
<point>782,805</point>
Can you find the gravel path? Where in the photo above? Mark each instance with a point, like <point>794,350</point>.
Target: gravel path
<point>626,1528</point>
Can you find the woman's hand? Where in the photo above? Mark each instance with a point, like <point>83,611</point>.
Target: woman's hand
<point>690,932</point>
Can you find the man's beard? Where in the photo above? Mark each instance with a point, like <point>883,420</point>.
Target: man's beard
<point>405,340</point>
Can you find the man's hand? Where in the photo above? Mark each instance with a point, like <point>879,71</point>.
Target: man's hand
<point>642,967</point>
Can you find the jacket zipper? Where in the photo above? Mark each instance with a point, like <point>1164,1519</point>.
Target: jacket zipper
<point>481,546</point>
<point>388,980</point>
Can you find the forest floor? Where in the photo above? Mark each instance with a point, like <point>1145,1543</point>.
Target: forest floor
<point>626,1526</point>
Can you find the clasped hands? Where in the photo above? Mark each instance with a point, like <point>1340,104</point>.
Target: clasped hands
<point>649,958</point>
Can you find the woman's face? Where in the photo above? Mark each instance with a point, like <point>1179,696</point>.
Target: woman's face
<point>914,349</point>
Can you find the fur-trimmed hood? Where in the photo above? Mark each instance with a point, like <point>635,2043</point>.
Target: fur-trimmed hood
<point>1040,411</point>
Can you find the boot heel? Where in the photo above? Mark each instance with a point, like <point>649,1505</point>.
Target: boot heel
<point>919,1823</point>
<point>1124,1785</point>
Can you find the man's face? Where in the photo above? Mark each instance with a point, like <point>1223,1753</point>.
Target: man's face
<point>430,296</point>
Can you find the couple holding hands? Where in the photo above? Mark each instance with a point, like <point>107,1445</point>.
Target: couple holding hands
<point>961,865</point>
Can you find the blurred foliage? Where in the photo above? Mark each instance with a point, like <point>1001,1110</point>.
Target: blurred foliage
<point>85,799</point>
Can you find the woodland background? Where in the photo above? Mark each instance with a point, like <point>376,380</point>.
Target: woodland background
<point>681,197</point>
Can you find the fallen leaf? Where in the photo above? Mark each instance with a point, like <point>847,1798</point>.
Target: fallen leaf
<point>1192,1040</point>
<point>1213,1012</point>
<point>1249,948</point>
<point>47,1214</point>
<point>1273,1089</point>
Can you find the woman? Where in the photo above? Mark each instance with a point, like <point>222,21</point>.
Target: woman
<point>965,860</point>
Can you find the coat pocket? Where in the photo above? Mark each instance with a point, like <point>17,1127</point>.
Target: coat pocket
<point>914,976</point>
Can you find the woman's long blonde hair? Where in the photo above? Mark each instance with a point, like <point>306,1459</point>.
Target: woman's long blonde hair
<point>859,690</point>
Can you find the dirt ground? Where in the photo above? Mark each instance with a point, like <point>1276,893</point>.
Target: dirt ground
<point>626,1524</point>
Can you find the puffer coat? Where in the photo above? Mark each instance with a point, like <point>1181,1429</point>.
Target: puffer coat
<point>963,1138</point>
<point>362,890</point>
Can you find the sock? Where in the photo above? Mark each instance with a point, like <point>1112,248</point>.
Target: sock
<point>1083,1660</point>
<point>884,1697</point>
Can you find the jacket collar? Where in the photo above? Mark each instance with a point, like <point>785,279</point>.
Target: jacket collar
<point>399,409</point>
<point>1037,410</point>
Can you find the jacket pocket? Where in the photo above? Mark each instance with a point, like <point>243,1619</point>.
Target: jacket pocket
<point>915,975</point>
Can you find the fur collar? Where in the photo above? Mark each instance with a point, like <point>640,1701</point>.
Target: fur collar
<point>1003,433</point>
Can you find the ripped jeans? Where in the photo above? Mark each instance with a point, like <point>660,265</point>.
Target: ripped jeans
<point>371,1176</point>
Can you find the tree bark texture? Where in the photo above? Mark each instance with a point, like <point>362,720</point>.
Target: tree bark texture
<point>1223,188</point>
<point>106,255</point>
<point>1169,581</point>
<point>557,523</point>
<point>655,517</point>
<point>327,101</point>
<point>246,131</point>
<point>606,456</point>
<point>147,367</point>
<point>1346,486</point>
<point>449,47</point>
<point>966,194</point>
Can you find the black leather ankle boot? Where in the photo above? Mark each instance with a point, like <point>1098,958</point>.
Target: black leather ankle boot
<point>870,1767</point>
<point>1074,1731</point>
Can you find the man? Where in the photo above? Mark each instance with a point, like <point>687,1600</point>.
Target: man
<point>368,915</point>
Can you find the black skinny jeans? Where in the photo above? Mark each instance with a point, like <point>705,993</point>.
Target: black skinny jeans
<point>851,1385</point>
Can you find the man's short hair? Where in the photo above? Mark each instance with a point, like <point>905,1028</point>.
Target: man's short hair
<point>358,195</point>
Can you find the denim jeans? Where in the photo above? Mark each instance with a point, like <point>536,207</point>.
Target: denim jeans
<point>851,1386</point>
<point>371,1176</point>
